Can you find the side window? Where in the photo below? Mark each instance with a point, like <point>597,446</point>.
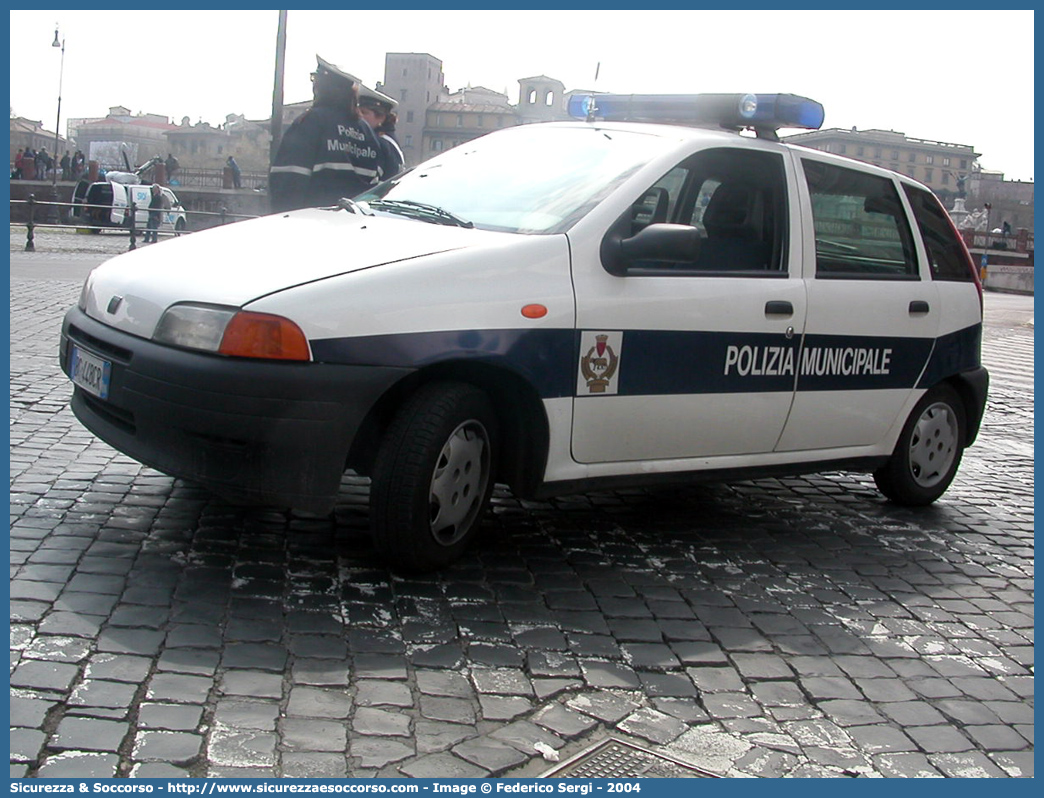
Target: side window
<point>860,226</point>
<point>736,201</point>
<point>946,254</point>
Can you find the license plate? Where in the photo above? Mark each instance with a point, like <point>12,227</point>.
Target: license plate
<point>90,372</point>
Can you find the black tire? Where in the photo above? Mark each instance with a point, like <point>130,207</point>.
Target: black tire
<point>928,451</point>
<point>179,228</point>
<point>433,476</point>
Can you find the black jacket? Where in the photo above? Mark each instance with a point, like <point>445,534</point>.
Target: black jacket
<point>324,155</point>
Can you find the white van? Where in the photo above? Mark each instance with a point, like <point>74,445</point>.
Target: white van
<point>560,307</point>
<point>116,198</point>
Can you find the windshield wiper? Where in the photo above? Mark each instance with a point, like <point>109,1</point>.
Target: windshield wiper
<point>421,210</point>
<point>350,205</point>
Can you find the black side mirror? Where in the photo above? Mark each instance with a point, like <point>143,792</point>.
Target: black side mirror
<point>657,243</point>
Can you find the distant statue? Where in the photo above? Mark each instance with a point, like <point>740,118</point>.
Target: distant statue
<point>960,186</point>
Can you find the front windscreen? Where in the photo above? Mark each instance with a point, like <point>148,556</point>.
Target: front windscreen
<point>529,179</point>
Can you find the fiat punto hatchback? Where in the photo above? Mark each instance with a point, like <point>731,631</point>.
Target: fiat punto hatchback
<point>557,307</point>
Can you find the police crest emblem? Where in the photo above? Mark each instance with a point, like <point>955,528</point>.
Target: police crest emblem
<point>599,363</point>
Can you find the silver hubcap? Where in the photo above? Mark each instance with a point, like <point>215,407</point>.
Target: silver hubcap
<point>459,482</point>
<point>933,446</point>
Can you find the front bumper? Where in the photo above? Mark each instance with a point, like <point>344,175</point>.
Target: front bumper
<point>259,432</point>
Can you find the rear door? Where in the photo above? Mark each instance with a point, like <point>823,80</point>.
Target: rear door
<point>696,359</point>
<point>873,310</point>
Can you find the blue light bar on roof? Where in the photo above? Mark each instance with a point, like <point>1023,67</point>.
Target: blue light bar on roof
<point>763,112</point>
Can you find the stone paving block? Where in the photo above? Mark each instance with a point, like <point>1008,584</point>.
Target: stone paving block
<point>241,714</point>
<point>444,684</point>
<point>29,712</point>
<point>603,705</point>
<point>489,754</point>
<point>80,765</point>
<point>524,736</point>
<point>46,676</point>
<point>99,693</point>
<point>503,708</point>
<point>715,679</point>
<point>431,736</point>
<point>601,674</point>
<point>971,765</point>
<point>314,765</point>
<point>501,681</point>
<point>234,748</point>
<point>912,765</point>
<point>172,717</point>
<point>167,746</point>
<point>649,724</point>
<point>251,683</point>
<point>563,721</point>
<point>311,734</point>
<point>378,752</point>
<point>443,766</point>
<point>373,693</point>
<point>451,710</point>
<point>315,702</point>
<point>368,721</point>
<point>89,734</point>
<point>1017,764</point>
<point>179,688</point>
<point>939,739</point>
<point>26,744</point>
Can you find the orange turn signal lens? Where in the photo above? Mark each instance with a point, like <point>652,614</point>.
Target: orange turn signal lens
<point>262,335</point>
<point>534,311</point>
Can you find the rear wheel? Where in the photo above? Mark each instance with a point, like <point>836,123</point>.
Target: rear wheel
<point>928,451</point>
<point>433,476</point>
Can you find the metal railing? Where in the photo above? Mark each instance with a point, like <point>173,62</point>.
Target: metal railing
<point>53,213</point>
<point>215,178</point>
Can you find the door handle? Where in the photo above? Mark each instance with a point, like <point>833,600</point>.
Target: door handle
<point>919,306</point>
<point>778,307</point>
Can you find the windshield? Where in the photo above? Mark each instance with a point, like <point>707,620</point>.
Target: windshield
<point>529,179</point>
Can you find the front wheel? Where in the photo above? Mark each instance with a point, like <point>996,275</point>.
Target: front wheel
<point>179,228</point>
<point>433,476</point>
<point>928,451</point>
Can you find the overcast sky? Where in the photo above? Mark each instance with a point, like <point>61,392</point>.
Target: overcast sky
<point>964,77</point>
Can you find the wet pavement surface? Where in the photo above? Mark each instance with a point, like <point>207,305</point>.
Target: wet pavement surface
<point>779,627</point>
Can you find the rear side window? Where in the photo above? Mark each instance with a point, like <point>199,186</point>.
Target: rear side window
<point>946,254</point>
<point>860,226</point>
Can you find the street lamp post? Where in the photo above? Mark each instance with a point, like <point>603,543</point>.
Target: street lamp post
<point>58,119</point>
<point>57,216</point>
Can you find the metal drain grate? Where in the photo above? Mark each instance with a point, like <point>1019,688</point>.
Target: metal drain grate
<point>615,759</point>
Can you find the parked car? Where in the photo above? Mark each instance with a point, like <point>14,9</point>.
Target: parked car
<point>115,198</point>
<point>560,307</point>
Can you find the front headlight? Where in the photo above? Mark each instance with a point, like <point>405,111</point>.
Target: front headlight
<point>232,332</point>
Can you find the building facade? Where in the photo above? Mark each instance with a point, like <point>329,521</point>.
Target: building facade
<point>121,139</point>
<point>541,99</point>
<point>463,116</point>
<point>31,133</point>
<point>937,164</point>
<point>416,81</point>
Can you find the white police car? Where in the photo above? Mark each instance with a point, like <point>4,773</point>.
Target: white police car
<point>558,307</point>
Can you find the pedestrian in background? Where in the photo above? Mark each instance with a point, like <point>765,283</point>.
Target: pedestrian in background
<point>328,152</point>
<point>66,163</point>
<point>16,173</point>
<point>172,166</point>
<point>379,110</point>
<point>236,174</point>
<point>157,204</point>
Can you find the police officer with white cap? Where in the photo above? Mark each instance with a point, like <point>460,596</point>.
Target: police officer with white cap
<point>378,109</point>
<point>328,152</point>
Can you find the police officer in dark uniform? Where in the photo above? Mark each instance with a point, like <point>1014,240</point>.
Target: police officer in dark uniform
<point>328,152</point>
<point>378,109</point>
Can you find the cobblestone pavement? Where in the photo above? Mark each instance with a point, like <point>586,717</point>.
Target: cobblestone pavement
<point>799,627</point>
